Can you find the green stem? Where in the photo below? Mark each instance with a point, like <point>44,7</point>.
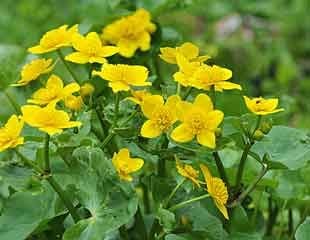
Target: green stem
<point>62,58</point>
<point>140,223</point>
<point>213,95</point>
<point>187,93</point>
<point>107,139</point>
<point>179,87</point>
<point>182,204</point>
<point>173,192</point>
<point>220,167</point>
<point>12,101</point>
<point>28,162</point>
<point>47,166</point>
<point>161,168</point>
<point>116,109</point>
<point>123,232</point>
<point>258,121</point>
<point>131,116</point>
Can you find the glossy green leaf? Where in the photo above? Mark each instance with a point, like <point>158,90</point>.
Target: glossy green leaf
<point>303,231</point>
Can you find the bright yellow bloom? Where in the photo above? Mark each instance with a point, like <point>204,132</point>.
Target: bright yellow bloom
<point>188,171</point>
<point>55,39</point>
<point>208,76</point>
<point>87,89</point>
<point>74,102</point>
<point>261,106</point>
<point>90,49</point>
<point>161,115</point>
<point>47,119</point>
<point>125,165</point>
<point>53,92</point>
<point>139,96</point>
<point>131,33</point>
<point>10,133</point>
<point>121,77</point>
<point>217,190</point>
<point>198,119</point>
<point>189,50</point>
<point>31,71</point>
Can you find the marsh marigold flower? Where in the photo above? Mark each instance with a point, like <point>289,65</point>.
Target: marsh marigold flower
<point>125,165</point>
<point>131,33</point>
<point>53,92</point>
<point>87,89</point>
<point>138,96</point>
<point>214,76</point>
<point>189,50</point>
<point>261,106</point>
<point>90,49</point>
<point>161,116</point>
<point>47,119</point>
<point>197,119</point>
<point>33,70</point>
<point>74,103</point>
<point>188,171</point>
<point>10,133</point>
<point>55,39</point>
<point>121,76</point>
<point>217,190</point>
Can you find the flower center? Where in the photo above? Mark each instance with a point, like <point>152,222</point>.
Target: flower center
<point>196,123</point>
<point>163,119</point>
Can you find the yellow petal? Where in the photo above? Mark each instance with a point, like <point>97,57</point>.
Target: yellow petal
<point>220,73</point>
<point>107,51</point>
<point>119,86</point>
<point>135,164</point>
<point>77,57</point>
<point>144,41</point>
<point>168,54</point>
<point>207,139</point>
<point>204,102</point>
<point>127,48</point>
<point>189,50</point>
<point>222,209</point>
<point>54,82</point>
<point>214,119</point>
<point>183,109</point>
<point>182,133</point>
<point>150,130</point>
<point>207,175</point>
<point>150,103</point>
<point>225,85</point>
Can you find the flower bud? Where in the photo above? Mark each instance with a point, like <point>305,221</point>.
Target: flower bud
<point>218,132</point>
<point>265,127</point>
<point>258,135</point>
<point>74,103</point>
<point>87,89</point>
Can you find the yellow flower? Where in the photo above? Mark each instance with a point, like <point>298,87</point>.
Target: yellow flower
<point>207,76</point>
<point>139,96</point>
<point>189,50</point>
<point>87,89</point>
<point>90,49</point>
<point>161,115</point>
<point>125,165</point>
<point>217,190</point>
<point>121,77</point>
<point>53,92</point>
<point>47,119</point>
<point>186,71</point>
<point>130,33</point>
<point>55,39</point>
<point>74,102</point>
<point>33,70</point>
<point>188,171</point>
<point>10,133</point>
<point>261,106</point>
<point>198,119</point>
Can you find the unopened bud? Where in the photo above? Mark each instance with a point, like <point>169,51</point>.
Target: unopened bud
<point>74,103</point>
<point>258,135</point>
<point>218,132</point>
<point>265,127</point>
<point>86,89</point>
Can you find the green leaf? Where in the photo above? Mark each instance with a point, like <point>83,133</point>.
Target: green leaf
<point>166,219</point>
<point>285,145</point>
<point>239,221</point>
<point>303,231</point>
<point>245,236</point>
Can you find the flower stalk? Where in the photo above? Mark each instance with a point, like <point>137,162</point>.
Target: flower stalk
<point>62,58</point>
<point>47,167</point>
<point>182,204</point>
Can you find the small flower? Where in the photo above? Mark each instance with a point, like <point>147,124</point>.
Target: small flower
<point>208,76</point>
<point>90,49</point>
<point>161,115</point>
<point>55,39</point>
<point>121,77</point>
<point>33,70</point>
<point>53,92</point>
<point>139,96</point>
<point>217,190</point>
<point>125,165</point>
<point>188,171</point>
<point>189,50</point>
<point>48,119</point>
<point>261,106</point>
<point>87,89</point>
<point>198,119</point>
<point>74,102</point>
<point>130,33</point>
<point>10,133</point>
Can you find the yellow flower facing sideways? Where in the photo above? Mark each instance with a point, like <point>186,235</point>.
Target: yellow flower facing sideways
<point>161,116</point>
<point>261,106</point>
<point>121,76</point>
<point>130,33</point>
<point>189,50</point>
<point>207,76</point>
<point>125,165</point>
<point>10,133</point>
<point>54,91</point>
<point>188,171</point>
<point>33,70</point>
<point>138,96</point>
<point>197,119</point>
<point>90,49</point>
<point>47,119</point>
<point>55,39</point>
<point>74,103</point>
<point>217,190</point>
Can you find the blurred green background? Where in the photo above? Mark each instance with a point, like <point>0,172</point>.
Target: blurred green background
<point>266,43</point>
